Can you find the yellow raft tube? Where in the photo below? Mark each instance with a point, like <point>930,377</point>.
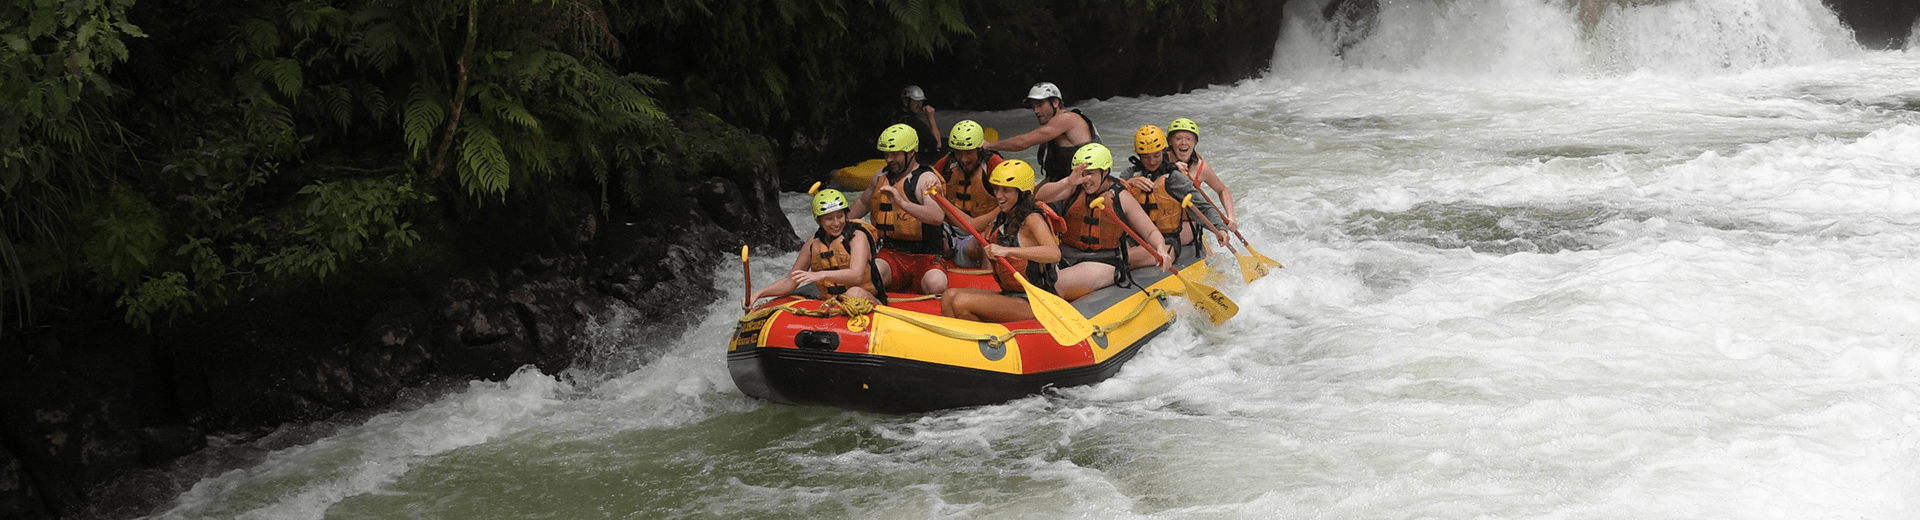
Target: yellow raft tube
<point>907,358</point>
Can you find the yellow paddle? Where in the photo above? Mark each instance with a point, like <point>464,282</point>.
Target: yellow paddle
<point>1061,320</point>
<point>1249,268</point>
<point>748,267</point>
<point>1218,307</point>
<point>1261,263</point>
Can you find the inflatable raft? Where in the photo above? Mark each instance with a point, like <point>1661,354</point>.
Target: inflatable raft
<point>907,358</point>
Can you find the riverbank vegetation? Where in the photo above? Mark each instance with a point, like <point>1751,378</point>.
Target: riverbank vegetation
<point>169,157</point>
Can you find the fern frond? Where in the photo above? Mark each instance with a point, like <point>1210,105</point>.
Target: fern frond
<point>284,73</point>
<point>307,16</point>
<point>484,169</point>
<point>374,99</point>
<point>498,102</point>
<point>338,102</point>
<point>269,123</point>
<point>378,46</point>
<point>256,37</point>
<point>424,113</point>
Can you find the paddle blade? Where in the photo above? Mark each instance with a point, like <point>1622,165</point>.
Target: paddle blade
<point>1219,307</point>
<point>1062,321</point>
<point>1266,264</point>
<point>992,134</point>
<point>1250,268</point>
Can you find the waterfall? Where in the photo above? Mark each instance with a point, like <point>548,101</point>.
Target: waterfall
<point>1557,38</point>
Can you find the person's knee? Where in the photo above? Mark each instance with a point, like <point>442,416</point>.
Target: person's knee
<point>934,281</point>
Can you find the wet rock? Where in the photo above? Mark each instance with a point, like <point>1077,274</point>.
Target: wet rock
<point>19,497</point>
<point>480,334</point>
<point>392,352</point>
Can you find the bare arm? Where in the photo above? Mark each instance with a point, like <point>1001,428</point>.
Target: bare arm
<point>934,126</point>
<point>785,285</point>
<point>1048,132</point>
<point>1040,244</point>
<point>926,211</point>
<point>863,202</point>
<point>853,274</point>
<point>1212,180</point>
<point>1060,189</point>
<point>1137,219</point>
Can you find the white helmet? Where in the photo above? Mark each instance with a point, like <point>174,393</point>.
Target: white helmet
<point>913,92</point>
<point>1042,91</point>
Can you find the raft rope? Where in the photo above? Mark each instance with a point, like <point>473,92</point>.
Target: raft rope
<point>854,306</point>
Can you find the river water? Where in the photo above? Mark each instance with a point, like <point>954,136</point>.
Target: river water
<point>1664,263</point>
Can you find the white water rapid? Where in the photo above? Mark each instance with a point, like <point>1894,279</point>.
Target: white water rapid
<point>1664,263</point>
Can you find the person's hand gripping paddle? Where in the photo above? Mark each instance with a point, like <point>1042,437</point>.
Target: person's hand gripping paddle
<point>1061,320</point>
<point>1217,306</point>
<point>1249,267</point>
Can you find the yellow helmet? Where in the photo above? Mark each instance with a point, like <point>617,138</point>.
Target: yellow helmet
<point>1013,173</point>
<point>966,135</point>
<point>1149,140</point>
<point>899,138</point>
<point>1095,155</point>
<point>828,201</point>
<point>1184,124</point>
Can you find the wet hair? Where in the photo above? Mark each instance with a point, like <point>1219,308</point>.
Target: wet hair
<point>1009,222</point>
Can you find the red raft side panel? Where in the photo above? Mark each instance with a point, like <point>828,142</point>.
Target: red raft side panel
<point>791,330</point>
<point>1040,353</point>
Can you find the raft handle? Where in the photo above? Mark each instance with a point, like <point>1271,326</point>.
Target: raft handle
<point>817,340</point>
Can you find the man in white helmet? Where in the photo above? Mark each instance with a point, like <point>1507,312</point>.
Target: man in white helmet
<point>1062,132</point>
<point>917,114</point>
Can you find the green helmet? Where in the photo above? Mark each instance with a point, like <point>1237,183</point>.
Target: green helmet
<point>1095,155</point>
<point>828,201</point>
<point>966,135</point>
<point>899,138</point>
<point>1184,124</point>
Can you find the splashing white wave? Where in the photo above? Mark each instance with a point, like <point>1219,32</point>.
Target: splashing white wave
<point>1548,38</point>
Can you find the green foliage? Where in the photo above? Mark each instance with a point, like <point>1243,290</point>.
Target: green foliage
<point>52,59</point>
<point>754,62</point>
<point>289,140</point>
<point>341,220</point>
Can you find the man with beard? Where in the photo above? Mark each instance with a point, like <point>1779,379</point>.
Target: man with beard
<point>912,236</point>
<point>1061,134</point>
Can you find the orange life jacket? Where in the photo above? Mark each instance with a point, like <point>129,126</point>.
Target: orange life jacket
<point>1160,206</point>
<point>834,253</point>
<point>1027,268</point>
<point>969,191</point>
<point>1090,230</point>
<point>899,230</point>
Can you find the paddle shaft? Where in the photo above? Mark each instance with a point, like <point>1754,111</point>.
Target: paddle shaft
<point>1203,220</point>
<point>1157,257</point>
<point>1209,198</point>
<point>747,267</point>
<point>968,225</point>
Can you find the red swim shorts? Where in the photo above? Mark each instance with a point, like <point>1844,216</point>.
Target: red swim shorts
<point>908,268</point>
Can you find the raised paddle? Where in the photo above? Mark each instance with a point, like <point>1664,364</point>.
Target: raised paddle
<point>1261,263</point>
<point>1061,320</point>
<point>1218,307</point>
<point>1249,268</point>
<point>748,267</point>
